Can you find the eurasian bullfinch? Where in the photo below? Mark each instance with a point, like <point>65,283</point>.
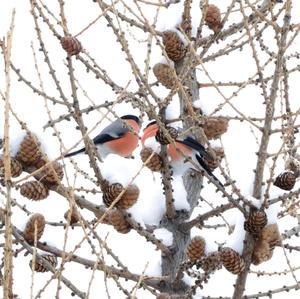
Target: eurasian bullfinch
<point>184,148</point>
<point>120,137</point>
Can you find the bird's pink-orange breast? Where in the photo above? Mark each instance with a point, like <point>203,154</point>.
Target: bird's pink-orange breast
<point>148,133</point>
<point>125,145</point>
<point>172,152</point>
<point>176,155</point>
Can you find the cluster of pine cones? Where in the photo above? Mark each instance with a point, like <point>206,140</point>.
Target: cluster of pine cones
<point>266,236</point>
<point>31,156</point>
<point>117,199</point>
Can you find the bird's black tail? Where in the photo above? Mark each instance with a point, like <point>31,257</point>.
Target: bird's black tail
<point>206,168</point>
<point>75,153</point>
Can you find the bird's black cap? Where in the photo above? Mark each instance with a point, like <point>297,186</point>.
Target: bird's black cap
<point>133,117</point>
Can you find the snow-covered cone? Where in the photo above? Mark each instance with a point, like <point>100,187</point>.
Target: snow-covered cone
<point>162,138</point>
<point>232,261</point>
<point>74,217</point>
<point>215,127</point>
<point>15,167</point>
<point>286,180</point>
<point>51,174</point>
<point>218,154</point>
<point>271,234</point>
<point>293,165</point>
<point>213,18</point>
<point>127,200</point>
<point>165,75</point>
<point>261,252</point>
<point>211,262</point>
<point>30,150</point>
<point>174,46</point>
<point>117,219</point>
<point>35,222</point>
<point>71,45</point>
<point>34,190</point>
<point>155,163</point>
<point>163,296</point>
<point>196,248</point>
<point>38,267</point>
<point>256,221</point>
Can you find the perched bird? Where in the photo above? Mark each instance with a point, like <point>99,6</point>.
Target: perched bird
<point>120,137</point>
<point>187,147</point>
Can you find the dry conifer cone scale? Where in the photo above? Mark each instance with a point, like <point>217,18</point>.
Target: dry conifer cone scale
<point>52,174</point>
<point>126,201</point>
<point>261,252</point>
<point>196,248</point>
<point>117,219</point>
<point>213,18</point>
<point>71,45</point>
<point>34,190</point>
<point>232,261</point>
<point>286,180</point>
<point>73,214</point>
<point>165,75</point>
<point>215,127</point>
<point>15,167</point>
<point>256,221</point>
<point>36,223</point>
<point>155,163</point>
<point>29,150</point>
<point>174,46</point>
<point>162,138</point>
<point>38,267</point>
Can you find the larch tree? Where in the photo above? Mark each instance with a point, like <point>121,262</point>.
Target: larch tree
<point>217,82</point>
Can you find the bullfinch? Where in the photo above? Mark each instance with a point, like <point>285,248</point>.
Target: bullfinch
<point>120,137</point>
<point>184,148</point>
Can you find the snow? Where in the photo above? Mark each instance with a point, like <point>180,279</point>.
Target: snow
<point>117,169</point>
<point>236,239</point>
<point>179,194</point>
<point>164,235</point>
<point>153,144</point>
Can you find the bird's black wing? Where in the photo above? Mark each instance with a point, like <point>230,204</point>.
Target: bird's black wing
<point>206,168</point>
<point>192,143</point>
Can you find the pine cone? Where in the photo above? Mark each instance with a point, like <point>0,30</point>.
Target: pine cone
<point>256,221</point>
<point>15,167</point>
<point>34,190</point>
<point>163,296</point>
<point>213,18</point>
<point>293,165</point>
<point>218,154</point>
<point>162,138</point>
<point>74,218</point>
<point>196,248</point>
<point>232,261</point>
<point>261,252</point>
<point>38,267</point>
<point>155,163</point>
<point>51,174</point>
<point>127,200</point>
<point>35,221</point>
<point>30,150</point>
<point>214,127</point>
<point>286,180</point>
<point>271,234</point>
<point>212,262</point>
<point>165,75</point>
<point>174,46</point>
<point>71,45</point>
<point>117,219</point>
